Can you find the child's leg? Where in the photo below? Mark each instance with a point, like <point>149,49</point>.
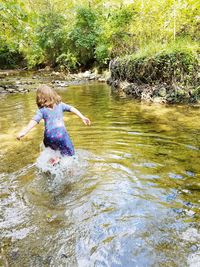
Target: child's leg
<point>67,149</point>
<point>49,142</point>
<point>65,144</point>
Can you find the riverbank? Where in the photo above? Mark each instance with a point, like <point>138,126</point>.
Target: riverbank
<point>156,93</point>
<point>22,81</point>
<point>169,75</point>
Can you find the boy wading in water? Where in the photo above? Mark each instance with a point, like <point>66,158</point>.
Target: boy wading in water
<point>51,111</point>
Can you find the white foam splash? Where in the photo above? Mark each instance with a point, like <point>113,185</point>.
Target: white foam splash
<point>68,170</point>
<point>43,160</point>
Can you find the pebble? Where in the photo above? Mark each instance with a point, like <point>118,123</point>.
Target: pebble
<point>11,90</point>
<point>92,77</point>
<point>102,80</point>
<point>21,89</point>
<point>185,191</point>
<point>86,74</point>
<point>194,248</point>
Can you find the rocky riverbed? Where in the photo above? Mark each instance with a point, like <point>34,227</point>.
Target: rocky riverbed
<point>156,93</point>
<point>19,81</point>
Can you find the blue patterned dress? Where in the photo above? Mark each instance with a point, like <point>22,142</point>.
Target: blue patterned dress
<point>55,134</point>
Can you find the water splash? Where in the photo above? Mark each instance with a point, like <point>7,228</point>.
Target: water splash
<point>68,170</point>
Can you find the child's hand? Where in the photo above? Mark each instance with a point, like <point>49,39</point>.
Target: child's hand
<point>20,135</point>
<point>86,121</point>
<point>32,123</point>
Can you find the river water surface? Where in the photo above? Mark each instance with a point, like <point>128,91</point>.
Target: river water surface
<point>130,198</point>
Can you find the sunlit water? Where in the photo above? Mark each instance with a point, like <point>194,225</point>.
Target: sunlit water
<point>129,197</point>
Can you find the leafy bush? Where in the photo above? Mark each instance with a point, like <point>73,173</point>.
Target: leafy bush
<point>67,61</point>
<point>102,54</point>
<point>10,58</point>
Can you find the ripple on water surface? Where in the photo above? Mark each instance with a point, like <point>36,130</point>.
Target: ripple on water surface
<point>130,196</point>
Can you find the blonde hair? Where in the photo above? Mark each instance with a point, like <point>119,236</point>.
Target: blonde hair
<point>46,97</point>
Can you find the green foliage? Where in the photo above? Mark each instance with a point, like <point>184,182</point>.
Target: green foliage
<point>153,48</point>
<point>102,54</point>
<point>10,58</point>
<point>79,33</point>
<point>115,33</point>
<point>67,61</point>
<point>84,34</point>
<point>51,36</point>
<point>177,65</point>
<point>197,92</point>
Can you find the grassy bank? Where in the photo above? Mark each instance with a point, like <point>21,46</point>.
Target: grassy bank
<point>172,68</point>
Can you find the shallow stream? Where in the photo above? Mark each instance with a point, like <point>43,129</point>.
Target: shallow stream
<point>131,197</point>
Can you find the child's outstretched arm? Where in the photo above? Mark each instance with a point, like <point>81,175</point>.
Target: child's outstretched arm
<point>85,120</point>
<point>31,124</point>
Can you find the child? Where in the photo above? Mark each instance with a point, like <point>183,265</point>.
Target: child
<point>51,110</point>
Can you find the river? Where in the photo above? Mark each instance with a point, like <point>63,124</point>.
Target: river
<point>131,199</point>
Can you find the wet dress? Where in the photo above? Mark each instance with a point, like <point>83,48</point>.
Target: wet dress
<point>55,134</point>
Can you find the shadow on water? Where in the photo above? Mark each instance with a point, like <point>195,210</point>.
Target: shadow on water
<point>130,196</point>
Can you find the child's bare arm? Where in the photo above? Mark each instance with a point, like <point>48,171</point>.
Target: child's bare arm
<point>85,120</point>
<point>31,124</point>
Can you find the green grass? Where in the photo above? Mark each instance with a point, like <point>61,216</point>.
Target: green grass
<point>153,49</point>
<point>172,62</point>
